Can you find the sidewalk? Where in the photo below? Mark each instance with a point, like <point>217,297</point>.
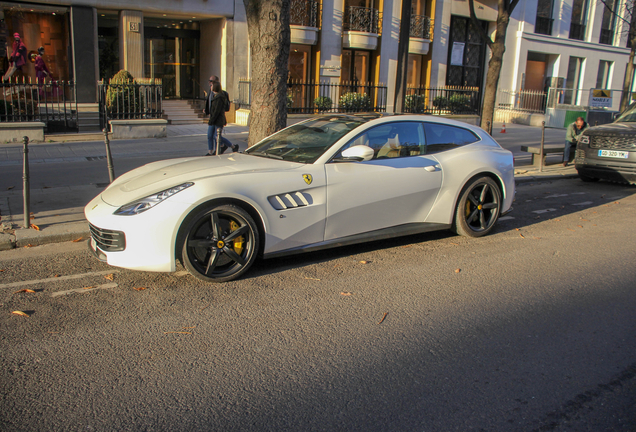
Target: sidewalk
<point>64,218</point>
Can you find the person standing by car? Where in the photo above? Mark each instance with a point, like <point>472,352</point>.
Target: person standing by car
<point>217,103</point>
<point>572,138</point>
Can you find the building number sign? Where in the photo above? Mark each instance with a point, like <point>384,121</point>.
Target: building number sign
<point>134,26</point>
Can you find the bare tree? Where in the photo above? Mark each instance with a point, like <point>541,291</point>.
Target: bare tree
<point>628,18</point>
<point>269,34</point>
<point>497,48</point>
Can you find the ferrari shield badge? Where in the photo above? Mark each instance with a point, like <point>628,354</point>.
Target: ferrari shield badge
<point>308,178</point>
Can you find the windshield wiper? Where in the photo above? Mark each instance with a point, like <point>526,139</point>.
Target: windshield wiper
<point>266,155</point>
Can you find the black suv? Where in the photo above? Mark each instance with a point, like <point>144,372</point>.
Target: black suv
<point>609,151</point>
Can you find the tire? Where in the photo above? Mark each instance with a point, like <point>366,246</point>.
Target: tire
<point>478,208</point>
<point>221,243</point>
<point>587,179</point>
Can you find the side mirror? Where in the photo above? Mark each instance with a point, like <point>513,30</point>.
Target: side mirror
<point>359,153</point>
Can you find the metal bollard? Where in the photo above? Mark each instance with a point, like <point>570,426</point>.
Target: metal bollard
<point>109,157</point>
<point>26,188</point>
<point>218,140</point>
<point>542,143</point>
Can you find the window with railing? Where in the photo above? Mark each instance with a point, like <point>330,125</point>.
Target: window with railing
<point>305,13</point>
<point>421,27</point>
<point>543,23</point>
<point>362,19</point>
<point>579,18</point>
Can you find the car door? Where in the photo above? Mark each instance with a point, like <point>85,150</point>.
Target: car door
<point>398,186</point>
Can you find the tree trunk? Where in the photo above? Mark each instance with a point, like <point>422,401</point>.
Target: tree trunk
<point>269,34</point>
<point>494,70</point>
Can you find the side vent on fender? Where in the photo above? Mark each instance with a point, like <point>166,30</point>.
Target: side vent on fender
<point>290,200</point>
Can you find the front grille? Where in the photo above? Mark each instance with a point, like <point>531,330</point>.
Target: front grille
<point>617,142</point>
<point>108,240</point>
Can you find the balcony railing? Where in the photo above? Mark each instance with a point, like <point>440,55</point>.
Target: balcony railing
<point>577,31</point>
<point>421,27</point>
<point>362,19</point>
<point>607,37</point>
<point>543,26</point>
<point>305,13</point>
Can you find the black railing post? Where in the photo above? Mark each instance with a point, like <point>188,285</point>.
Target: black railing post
<point>26,188</point>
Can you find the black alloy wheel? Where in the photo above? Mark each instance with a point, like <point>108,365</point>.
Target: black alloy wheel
<point>478,208</point>
<point>221,244</point>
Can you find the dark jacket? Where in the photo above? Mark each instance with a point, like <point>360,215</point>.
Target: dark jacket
<point>215,108</point>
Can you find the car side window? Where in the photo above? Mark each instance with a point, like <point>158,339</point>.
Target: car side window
<point>392,140</point>
<point>440,137</point>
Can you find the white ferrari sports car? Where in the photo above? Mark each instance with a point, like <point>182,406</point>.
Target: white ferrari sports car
<point>325,182</point>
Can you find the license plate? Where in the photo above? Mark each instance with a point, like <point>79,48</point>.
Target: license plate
<point>613,154</point>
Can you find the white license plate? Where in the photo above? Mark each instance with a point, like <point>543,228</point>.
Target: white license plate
<point>613,154</point>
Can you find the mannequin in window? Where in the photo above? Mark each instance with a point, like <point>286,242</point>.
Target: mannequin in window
<point>41,71</point>
<point>18,57</point>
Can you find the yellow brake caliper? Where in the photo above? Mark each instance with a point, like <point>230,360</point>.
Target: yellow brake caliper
<point>238,242</point>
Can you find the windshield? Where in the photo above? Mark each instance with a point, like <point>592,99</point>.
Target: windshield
<point>306,141</point>
<point>629,115</point>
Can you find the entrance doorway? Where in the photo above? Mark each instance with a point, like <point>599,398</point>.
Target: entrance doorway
<point>171,53</point>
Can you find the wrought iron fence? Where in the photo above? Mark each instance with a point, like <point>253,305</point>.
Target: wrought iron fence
<point>310,97</point>
<point>305,13</point>
<point>529,101</point>
<point>443,100</point>
<point>50,102</point>
<point>362,19</point>
<point>139,99</point>
<point>421,27</point>
<point>577,31</point>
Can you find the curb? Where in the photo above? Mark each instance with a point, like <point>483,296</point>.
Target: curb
<point>533,178</point>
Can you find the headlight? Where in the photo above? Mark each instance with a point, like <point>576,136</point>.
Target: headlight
<point>150,201</point>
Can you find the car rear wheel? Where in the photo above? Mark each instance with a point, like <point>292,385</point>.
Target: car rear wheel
<point>478,208</point>
<point>221,243</point>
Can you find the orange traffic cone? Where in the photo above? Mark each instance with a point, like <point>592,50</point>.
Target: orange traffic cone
<point>503,128</point>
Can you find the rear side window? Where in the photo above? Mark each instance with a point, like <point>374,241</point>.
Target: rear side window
<point>440,137</point>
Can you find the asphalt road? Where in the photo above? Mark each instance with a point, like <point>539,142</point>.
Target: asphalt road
<point>529,329</point>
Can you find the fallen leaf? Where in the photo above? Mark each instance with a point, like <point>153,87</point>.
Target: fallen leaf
<point>19,313</point>
<point>311,278</point>
<point>78,240</point>
<point>345,293</point>
<point>140,288</point>
<point>10,187</point>
<point>88,287</point>
<point>35,227</point>
<point>32,217</point>
<point>57,275</point>
<point>383,318</point>
<point>110,277</point>
<point>455,244</point>
<point>2,270</point>
<point>571,229</point>
<point>24,291</point>
<point>521,235</point>
<point>517,229</point>
<point>557,220</point>
<point>580,226</point>
<point>458,270</point>
<point>177,332</point>
<point>616,202</point>
<point>29,245</point>
<point>364,262</point>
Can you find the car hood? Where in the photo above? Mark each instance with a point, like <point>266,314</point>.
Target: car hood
<point>621,128</point>
<point>161,175</point>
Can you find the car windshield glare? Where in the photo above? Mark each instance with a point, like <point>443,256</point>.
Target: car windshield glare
<point>305,142</point>
<point>629,115</point>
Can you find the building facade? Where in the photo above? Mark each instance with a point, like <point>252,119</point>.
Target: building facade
<point>550,43</point>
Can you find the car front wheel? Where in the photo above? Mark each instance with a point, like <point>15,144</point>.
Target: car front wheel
<point>478,208</point>
<point>221,243</point>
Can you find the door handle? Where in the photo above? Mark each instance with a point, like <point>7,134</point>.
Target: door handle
<point>432,168</point>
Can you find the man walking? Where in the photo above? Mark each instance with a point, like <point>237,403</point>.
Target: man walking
<point>215,126</point>
<point>575,130</point>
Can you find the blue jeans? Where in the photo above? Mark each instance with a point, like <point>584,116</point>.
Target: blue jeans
<point>569,147</point>
<point>225,143</point>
